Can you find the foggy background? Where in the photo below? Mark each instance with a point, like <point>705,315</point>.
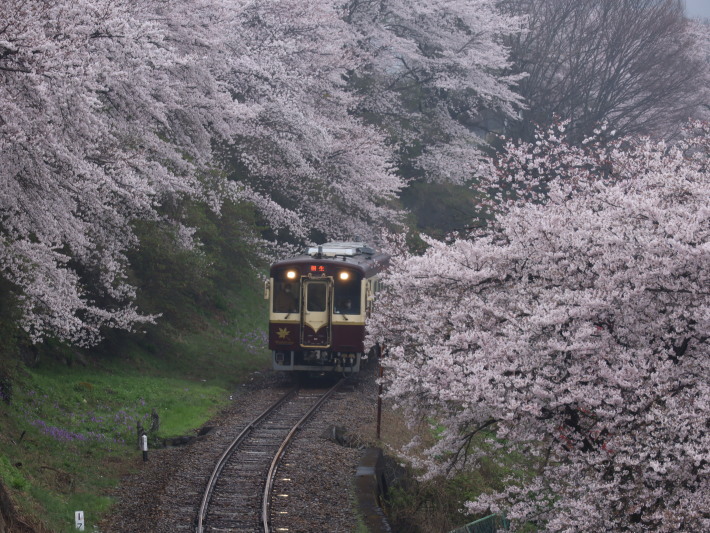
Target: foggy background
<point>697,8</point>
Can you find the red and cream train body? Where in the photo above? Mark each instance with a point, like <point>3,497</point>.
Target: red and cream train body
<point>318,305</point>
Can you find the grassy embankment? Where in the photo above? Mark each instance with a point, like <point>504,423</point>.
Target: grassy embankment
<point>69,432</point>
<point>68,419</point>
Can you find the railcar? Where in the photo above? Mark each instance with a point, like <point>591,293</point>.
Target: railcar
<point>319,303</point>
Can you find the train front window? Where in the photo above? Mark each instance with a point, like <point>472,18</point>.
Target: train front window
<point>286,297</point>
<point>347,296</point>
<point>316,297</point>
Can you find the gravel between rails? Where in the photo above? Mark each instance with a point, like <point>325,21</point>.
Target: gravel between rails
<point>164,495</point>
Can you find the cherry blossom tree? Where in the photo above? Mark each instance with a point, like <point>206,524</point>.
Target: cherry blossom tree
<point>433,69</point>
<point>74,170</point>
<point>111,109</point>
<point>302,147</point>
<point>572,331</point>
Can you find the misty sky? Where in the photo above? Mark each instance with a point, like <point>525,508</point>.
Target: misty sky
<point>697,8</point>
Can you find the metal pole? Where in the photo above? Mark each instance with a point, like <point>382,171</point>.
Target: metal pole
<point>379,401</point>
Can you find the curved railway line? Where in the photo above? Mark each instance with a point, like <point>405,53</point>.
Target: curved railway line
<point>238,495</point>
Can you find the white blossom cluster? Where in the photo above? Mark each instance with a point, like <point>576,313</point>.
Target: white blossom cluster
<point>435,65</point>
<point>575,330</point>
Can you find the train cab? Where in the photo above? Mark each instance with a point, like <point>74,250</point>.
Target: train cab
<point>318,307</point>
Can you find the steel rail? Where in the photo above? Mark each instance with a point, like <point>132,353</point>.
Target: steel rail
<point>266,500</point>
<point>222,461</point>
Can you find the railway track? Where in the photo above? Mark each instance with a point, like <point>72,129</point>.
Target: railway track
<point>238,494</point>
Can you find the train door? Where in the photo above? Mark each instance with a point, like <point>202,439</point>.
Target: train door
<point>315,326</point>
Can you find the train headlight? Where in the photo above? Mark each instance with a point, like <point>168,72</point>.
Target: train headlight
<point>344,275</point>
<point>291,274</point>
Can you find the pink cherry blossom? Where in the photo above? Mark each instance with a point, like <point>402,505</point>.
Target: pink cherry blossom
<point>575,327</point>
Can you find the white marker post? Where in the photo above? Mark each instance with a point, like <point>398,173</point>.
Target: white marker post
<point>79,518</point>
<point>144,446</point>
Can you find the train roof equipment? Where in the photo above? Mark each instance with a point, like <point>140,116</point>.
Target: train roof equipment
<point>354,253</point>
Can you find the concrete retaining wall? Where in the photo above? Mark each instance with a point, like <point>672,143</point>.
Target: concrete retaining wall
<point>370,487</point>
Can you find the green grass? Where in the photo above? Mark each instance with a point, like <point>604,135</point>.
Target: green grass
<point>104,408</point>
<point>12,476</point>
<point>74,430</point>
<point>69,433</point>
